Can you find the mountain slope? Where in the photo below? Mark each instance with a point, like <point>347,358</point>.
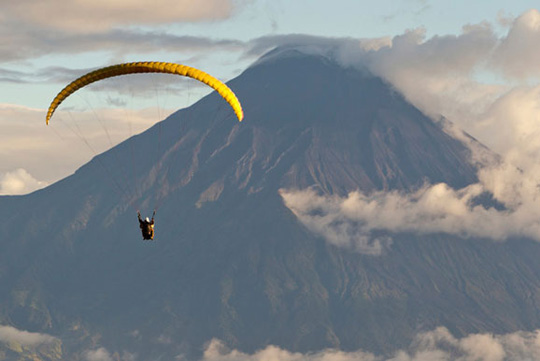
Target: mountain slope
<point>230,260</point>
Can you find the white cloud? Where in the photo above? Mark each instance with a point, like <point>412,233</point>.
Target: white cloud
<point>518,54</point>
<point>19,181</point>
<point>459,77</point>
<point>356,221</point>
<point>436,345</point>
<point>217,351</point>
<point>437,75</point>
<point>437,55</point>
<point>100,354</point>
<point>511,125</point>
<point>25,338</point>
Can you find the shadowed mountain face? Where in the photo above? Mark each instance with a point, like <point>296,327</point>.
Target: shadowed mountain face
<point>230,261</point>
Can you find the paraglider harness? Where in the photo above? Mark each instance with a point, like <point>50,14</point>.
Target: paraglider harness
<point>147,226</point>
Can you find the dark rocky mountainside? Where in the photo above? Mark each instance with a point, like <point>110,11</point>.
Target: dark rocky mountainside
<point>230,261</point>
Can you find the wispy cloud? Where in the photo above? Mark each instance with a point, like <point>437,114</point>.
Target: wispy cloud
<point>28,43</point>
<point>11,76</point>
<point>87,16</point>
<point>30,29</point>
<point>26,140</point>
<point>127,89</point>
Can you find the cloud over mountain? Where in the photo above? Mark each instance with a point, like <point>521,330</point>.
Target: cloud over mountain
<point>19,181</point>
<point>12,334</point>
<point>435,345</point>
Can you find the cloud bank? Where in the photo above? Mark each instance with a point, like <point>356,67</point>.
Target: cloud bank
<point>436,345</point>
<point>356,221</point>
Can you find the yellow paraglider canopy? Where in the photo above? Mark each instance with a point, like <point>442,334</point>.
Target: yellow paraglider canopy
<point>147,67</point>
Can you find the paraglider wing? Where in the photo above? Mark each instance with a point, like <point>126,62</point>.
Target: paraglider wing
<point>148,67</point>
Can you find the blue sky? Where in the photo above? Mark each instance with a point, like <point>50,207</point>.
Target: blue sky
<point>46,44</point>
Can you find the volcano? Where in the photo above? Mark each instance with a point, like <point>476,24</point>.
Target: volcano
<point>230,260</point>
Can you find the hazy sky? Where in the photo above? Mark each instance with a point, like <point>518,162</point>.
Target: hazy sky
<point>46,44</point>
